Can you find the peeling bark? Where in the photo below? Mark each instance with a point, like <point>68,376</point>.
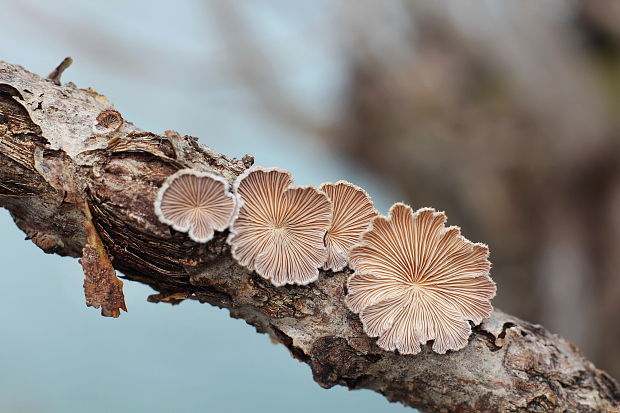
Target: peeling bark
<point>101,287</point>
<point>53,159</point>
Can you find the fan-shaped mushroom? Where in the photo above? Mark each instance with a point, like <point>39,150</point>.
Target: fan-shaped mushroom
<point>352,212</point>
<point>279,230</point>
<point>416,280</point>
<point>198,203</point>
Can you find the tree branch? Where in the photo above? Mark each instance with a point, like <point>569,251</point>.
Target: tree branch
<point>53,161</point>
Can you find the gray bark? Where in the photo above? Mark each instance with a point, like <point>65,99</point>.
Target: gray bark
<point>79,192</point>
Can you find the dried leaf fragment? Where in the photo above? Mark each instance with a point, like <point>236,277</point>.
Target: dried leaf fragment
<point>101,286</point>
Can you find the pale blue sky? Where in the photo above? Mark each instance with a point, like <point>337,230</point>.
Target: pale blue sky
<point>164,67</point>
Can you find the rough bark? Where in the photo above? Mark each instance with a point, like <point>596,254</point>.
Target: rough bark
<point>61,176</point>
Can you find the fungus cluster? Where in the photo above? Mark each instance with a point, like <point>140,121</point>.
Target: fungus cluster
<point>414,279</point>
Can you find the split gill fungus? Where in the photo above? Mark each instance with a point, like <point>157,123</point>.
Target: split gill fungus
<point>414,279</point>
<point>352,213</point>
<point>278,231</point>
<point>198,203</point>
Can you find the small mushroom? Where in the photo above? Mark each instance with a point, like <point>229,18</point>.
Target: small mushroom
<point>352,213</point>
<point>416,280</point>
<point>198,203</point>
<point>279,230</point>
<point>108,121</point>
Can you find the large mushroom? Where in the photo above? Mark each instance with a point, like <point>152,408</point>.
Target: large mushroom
<point>278,231</point>
<point>198,203</point>
<point>352,213</point>
<point>416,280</point>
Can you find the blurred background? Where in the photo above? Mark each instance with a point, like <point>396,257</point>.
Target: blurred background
<point>503,114</point>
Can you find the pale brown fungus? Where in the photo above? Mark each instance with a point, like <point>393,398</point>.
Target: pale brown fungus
<point>198,203</point>
<point>108,121</point>
<point>352,213</point>
<point>279,230</point>
<point>416,280</point>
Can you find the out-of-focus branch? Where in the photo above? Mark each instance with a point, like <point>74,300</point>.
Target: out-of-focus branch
<point>251,64</point>
<point>52,162</point>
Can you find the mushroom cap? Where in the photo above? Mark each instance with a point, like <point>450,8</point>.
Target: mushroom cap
<point>107,121</point>
<point>278,231</point>
<point>352,213</point>
<point>198,203</point>
<point>416,280</point>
